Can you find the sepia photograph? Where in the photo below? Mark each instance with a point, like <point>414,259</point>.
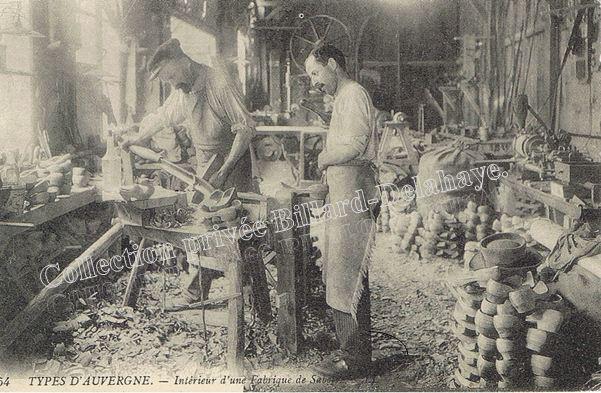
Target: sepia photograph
<point>300,195</point>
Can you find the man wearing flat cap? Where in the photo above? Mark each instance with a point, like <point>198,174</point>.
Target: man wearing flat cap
<point>217,120</point>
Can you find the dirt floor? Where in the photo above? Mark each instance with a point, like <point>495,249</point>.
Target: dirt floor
<point>411,310</point>
<point>410,303</point>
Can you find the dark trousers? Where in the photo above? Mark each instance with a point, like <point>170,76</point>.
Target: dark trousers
<point>355,336</point>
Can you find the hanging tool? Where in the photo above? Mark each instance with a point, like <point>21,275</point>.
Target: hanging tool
<point>201,187</point>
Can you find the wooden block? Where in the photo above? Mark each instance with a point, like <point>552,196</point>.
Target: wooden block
<point>235,330</point>
<point>127,168</point>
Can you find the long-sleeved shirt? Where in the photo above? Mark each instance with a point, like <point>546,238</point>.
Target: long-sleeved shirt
<point>214,113</point>
<point>214,109</point>
<point>353,122</point>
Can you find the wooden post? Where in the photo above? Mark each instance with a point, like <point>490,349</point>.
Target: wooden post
<point>286,246</point>
<point>554,63</point>
<point>132,289</point>
<point>253,265</point>
<point>235,333</point>
<point>302,255</point>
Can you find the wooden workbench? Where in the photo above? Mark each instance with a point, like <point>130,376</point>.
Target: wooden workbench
<point>229,260</point>
<point>41,214</point>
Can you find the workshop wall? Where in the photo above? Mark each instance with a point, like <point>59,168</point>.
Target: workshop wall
<point>393,26</point>
<point>579,89</point>
<point>580,99</point>
<point>421,45</point>
<point>522,57</point>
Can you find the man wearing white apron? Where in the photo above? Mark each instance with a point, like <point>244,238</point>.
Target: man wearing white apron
<point>348,159</point>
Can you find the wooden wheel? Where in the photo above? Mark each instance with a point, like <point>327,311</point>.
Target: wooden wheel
<point>315,30</point>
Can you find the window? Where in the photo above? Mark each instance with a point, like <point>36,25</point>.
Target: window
<point>196,43</point>
<point>16,55</point>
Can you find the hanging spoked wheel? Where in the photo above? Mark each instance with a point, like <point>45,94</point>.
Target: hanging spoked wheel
<point>315,30</point>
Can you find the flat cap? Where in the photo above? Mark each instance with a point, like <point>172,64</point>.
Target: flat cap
<point>168,50</point>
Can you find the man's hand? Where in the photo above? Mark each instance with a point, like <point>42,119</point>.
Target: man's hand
<point>218,179</point>
<point>323,161</point>
<point>128,140</point>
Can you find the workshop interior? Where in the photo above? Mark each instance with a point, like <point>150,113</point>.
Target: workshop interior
<point>492,285</point>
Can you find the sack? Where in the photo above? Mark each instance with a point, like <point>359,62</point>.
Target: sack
<point>450,159</point>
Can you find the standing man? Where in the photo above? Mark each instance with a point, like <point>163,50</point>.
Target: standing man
<point>348,160</point>
<point>218,122</point>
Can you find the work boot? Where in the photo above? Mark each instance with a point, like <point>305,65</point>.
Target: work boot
<point>340,365</point>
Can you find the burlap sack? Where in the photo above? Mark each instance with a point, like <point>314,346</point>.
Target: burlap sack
<point>450,159</point>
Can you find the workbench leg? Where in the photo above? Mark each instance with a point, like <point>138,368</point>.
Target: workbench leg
<point>301,158</point>
<point>132,289</point>
<point>301,261</point>
<point>235,333</point>
<point>254,267</point>
<point>287,249</point>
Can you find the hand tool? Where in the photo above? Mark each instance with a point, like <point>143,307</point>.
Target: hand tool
<point>201,187</point>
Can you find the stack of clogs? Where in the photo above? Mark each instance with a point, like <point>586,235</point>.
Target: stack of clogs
<point>469,297</point>
<point>543,341</point>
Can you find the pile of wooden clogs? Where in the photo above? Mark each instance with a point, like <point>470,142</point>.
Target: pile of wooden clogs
<point>516,324</point>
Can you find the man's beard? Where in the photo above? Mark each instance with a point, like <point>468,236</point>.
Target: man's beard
<point>321,88</point>
<point>184,87</point>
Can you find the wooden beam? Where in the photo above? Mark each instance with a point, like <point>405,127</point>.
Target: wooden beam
<point>235,331</point>
<point>286,247</point>
<point>216,318</point>
<point>132,289</point>
<point>176,238</point>
<point>554,63</point>
<point>549,200</point>
<point>472,101</point>
<point>202,304</point>
<point>127,160</point>
<point>37,307</point>
<point>430,99</point>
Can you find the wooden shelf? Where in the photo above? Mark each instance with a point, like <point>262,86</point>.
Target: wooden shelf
<point>63,205</point>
